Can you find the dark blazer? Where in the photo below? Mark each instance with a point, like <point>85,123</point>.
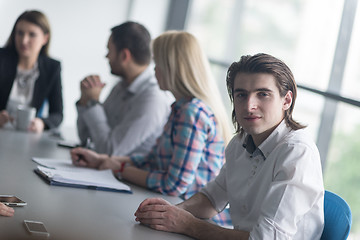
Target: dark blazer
<point>47,86</point>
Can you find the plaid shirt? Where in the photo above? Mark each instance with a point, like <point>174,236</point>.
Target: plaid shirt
<point>188,154</point>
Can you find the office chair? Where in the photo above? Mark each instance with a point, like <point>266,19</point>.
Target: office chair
<point>337,216</point>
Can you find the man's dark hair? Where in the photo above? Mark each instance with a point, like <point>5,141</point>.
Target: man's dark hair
<point>264,63</point>
<point>136,38</point>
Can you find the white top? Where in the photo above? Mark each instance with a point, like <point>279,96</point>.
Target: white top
<point>274,191</point>
<point>130,119</point>
<point>22,89</point>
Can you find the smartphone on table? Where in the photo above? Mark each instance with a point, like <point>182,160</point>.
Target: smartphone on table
<point>12,201</point>
<point>36,228</point>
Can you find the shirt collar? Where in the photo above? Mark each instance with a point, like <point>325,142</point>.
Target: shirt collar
<point>179,103</point>
<point>274,138</point>
<point>268,145</point>
<point>249,144</point>
<point>141,81</point>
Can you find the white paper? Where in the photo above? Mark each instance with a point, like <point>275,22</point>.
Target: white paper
<point>62,170</point>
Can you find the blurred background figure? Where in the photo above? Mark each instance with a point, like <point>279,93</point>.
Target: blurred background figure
<point>28,76</point>
<point>134,113</point>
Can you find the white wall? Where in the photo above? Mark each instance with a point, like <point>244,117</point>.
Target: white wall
<point>80,31</point>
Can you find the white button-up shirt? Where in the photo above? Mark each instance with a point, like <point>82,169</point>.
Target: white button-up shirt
<point>274,191</point>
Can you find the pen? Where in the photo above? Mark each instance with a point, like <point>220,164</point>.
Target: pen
<point>80,157</point>
<point>87,146</point>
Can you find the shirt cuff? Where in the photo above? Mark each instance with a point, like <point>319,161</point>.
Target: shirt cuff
<point>137,160</point>
<point>267,229</point>
<point>80,108</point>
<point>216,195</point>
<point>153,180</point>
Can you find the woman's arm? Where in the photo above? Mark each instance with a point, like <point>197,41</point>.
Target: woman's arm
<point>83,157</point>
<point>135,175</point>
<point>55,101</point>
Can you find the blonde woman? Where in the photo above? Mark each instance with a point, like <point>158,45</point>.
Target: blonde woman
<point>190,151</point>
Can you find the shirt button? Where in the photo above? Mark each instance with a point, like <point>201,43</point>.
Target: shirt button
<point>244,208</point>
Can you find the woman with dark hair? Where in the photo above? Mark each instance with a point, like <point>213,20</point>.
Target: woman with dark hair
<point>28,76</point>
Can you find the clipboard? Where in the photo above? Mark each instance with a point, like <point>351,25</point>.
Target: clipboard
<point>61,173</point>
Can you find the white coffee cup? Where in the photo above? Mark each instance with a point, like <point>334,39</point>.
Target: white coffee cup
<point>24,115</point>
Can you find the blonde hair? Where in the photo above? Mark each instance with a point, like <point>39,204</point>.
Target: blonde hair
<point>187,73</point>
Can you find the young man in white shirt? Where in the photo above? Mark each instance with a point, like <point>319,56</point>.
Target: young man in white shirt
<point>134,114</point>
<point>272,179</point>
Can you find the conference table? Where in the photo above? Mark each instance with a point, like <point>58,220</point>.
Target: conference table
<point>68,213</point>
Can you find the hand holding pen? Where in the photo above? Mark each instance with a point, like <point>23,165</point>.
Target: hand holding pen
<point>79,158</point>
<point>83,157</point>
<point>87,146</point>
